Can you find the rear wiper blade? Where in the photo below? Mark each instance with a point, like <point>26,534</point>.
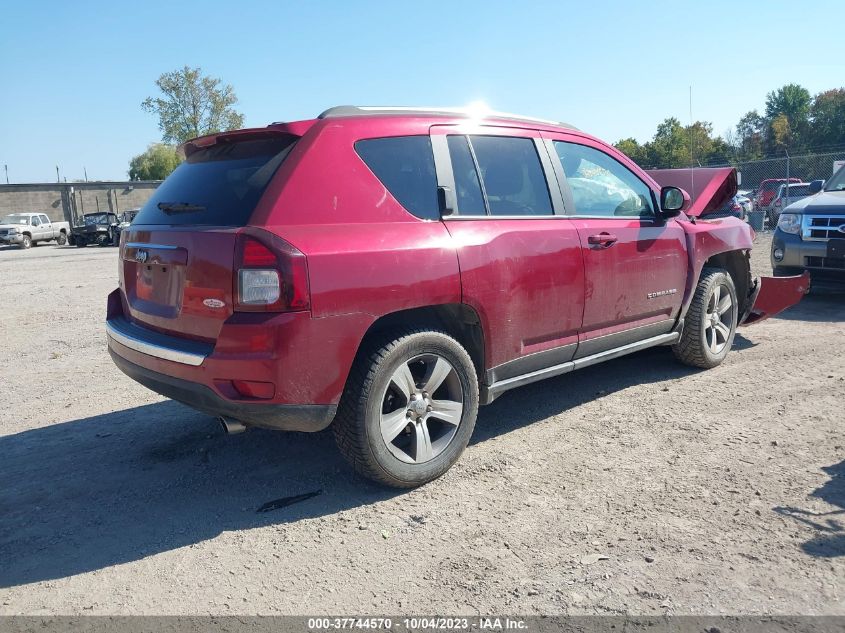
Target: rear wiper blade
<point>180,207</point>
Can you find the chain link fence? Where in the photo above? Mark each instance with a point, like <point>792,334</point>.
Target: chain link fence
<point>762,181</point>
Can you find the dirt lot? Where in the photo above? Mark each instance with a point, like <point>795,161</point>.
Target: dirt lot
<point>707,492</point>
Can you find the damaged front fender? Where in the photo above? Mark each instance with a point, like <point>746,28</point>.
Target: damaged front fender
<point>772,295</point>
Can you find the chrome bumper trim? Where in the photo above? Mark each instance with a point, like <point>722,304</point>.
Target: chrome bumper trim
<point>153,344</point>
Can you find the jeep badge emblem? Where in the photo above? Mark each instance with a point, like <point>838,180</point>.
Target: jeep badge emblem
<point>141,256</point>
<point>213,303</point>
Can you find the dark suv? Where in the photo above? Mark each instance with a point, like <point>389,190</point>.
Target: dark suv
<point>810,234</point>
<point>385,271</point>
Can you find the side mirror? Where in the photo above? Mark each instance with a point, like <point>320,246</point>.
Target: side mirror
<point>815,186</point>
<point>673,200</point>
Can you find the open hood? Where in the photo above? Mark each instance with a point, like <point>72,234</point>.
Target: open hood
<point>710,188</point>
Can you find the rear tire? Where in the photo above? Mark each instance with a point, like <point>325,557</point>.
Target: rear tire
<point>61,240</point>
<point>408,409</point>
<point>710,324</point>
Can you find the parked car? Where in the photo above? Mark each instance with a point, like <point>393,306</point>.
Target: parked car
<point>385,271</point>
<point>767,191</point>
<point>125,220</point>
<point>100,228</point>
<point>810,234</point>
<point>28,229</point>
<point>736,207</point>
<point>786,196</point>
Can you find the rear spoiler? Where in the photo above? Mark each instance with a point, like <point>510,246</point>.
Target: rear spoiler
<point>295,128</point>
<point>710,188</point>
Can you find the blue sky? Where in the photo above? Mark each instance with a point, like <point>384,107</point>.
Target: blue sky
<point>74,73</point>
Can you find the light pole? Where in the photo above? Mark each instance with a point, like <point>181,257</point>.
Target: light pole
<point>6,167</point>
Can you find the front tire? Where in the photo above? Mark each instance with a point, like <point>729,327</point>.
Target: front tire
<point>711,321</point>
<point>26,242</point>
<point>408,409</point>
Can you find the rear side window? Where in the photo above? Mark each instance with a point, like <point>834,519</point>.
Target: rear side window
<point>512,175</point>
<point>219,185</point>
<point>405,166</point>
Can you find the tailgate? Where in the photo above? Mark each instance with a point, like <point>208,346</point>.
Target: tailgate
<point>179,281</point>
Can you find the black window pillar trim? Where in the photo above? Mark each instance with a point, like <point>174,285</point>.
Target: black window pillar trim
<point>563,185</point>
<point>559,204</point>
<point>443,169</point>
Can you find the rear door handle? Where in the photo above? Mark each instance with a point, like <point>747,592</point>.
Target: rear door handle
<point>602,239</point>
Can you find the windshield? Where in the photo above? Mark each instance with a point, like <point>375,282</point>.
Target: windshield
<point>97,218</point>
<point>218,185</point>
<point>15,219</point>
<point>799,190</point>
<point>837,183</point>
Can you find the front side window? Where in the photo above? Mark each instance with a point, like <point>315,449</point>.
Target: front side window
<point>405,166</point>
<point>36,221</point>
<point>602,186</point>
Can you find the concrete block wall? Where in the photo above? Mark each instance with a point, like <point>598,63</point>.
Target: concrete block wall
<point>63,201</point>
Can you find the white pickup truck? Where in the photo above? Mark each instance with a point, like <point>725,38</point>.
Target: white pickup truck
<point>27,229</point>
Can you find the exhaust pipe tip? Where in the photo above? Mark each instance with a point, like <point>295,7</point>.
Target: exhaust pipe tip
<point>231,427</point>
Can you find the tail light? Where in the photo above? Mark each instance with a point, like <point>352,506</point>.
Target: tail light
<point>270,274</point>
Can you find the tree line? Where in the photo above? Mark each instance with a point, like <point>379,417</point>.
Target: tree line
<point>793,121</point>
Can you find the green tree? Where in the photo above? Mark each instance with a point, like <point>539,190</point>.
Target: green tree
<point>193,105</point>
<point>827,118</point>
<point>632,149</point>
<point>751,135</point>
<point>669,148</point>
<point>154,164</point>
<point>793,102</point>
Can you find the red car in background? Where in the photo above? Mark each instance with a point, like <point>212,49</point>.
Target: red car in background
<point>767,191</point>
<point>386,270</point>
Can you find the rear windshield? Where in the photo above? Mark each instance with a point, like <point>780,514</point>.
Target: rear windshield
<point>218,185</point>
<point>799,190</point>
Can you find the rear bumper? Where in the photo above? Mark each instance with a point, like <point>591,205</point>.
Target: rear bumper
<point>281,417</point>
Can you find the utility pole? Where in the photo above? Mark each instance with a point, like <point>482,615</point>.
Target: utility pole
<point>86,173</point>
<point>6,167</point>
<point>58,178</point>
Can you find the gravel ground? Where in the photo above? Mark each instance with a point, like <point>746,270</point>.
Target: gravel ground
<point>638,486</point>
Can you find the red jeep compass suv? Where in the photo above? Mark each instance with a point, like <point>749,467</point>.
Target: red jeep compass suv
<point>387,270</point>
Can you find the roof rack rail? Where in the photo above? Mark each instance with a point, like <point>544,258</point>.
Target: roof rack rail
<point>353,111</point>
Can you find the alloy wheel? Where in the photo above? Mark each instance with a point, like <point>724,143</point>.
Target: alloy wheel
<point>422,408</point>
<point>719,319</point>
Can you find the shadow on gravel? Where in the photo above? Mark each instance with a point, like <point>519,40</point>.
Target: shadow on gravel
<point>114,488</point>
<point>820,306</point>
<point>830,541</point>
<point>537,401</point>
